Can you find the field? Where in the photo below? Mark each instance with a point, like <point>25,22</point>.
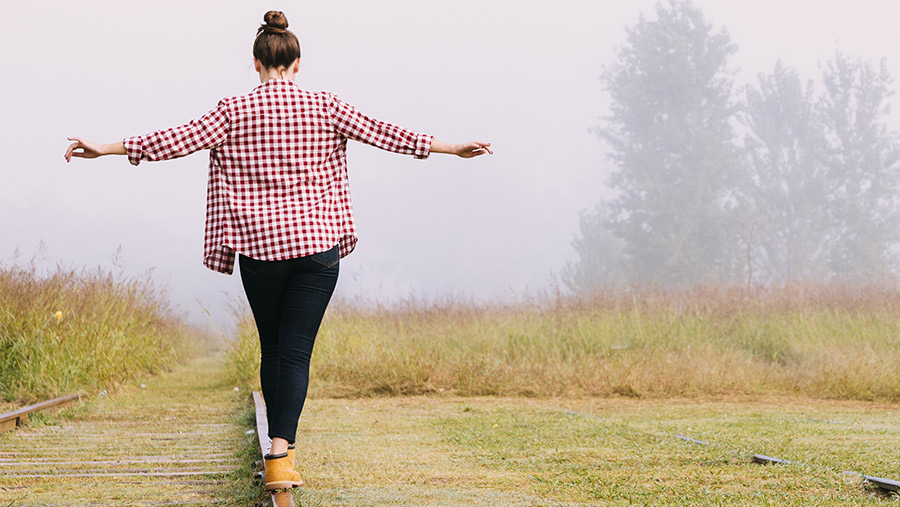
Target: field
<point>451,451</point>
<point>550,402</point>
<point>565,401</point>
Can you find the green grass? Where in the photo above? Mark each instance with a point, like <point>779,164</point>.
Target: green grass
<point>448,451</point>
<point>632,457</point>
<point>73,331</point>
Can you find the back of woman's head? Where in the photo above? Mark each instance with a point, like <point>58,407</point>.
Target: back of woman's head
<point>275,45</point>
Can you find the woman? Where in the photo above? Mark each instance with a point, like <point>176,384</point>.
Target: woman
<point>278,199</point>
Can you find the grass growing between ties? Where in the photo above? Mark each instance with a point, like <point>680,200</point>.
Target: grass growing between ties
<point>822,341</point>
<point>178,440</point>
<point>242,488</point>
<point>71,331</point>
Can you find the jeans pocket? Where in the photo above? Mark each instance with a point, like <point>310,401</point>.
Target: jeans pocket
<point>327,258</point>
<point>252,266</point>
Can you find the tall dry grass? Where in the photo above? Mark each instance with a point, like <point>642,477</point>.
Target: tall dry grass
<point>75,330</point>
<point>242,359</point>
<point>820,340</point>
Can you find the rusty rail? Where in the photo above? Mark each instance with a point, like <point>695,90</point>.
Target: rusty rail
<point>888,485</point>
<point>279,498</point>
<point>16,418</point>
<point>883,484</point>
<point>177,459</point>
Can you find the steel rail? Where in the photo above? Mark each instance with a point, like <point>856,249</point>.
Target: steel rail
<point>172,461</point>
<point>879,482</point>
<point>16,418</point>
<point>278,498</point>
<point>886,485</point>
<point>122,474</point>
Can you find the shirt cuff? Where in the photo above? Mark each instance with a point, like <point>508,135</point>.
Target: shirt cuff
<point>423,146</point>
<point>134,148</point>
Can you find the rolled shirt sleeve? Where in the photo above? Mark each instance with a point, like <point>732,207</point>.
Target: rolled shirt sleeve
<point>352,124</point>
<point>209,131</point>
<point>134,149</point>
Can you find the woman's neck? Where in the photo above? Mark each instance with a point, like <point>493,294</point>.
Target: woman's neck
<point>267,74</point>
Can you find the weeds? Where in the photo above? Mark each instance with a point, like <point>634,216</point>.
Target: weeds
<point>73,331</point>
<point>243,353</point>
<point>820,340</point>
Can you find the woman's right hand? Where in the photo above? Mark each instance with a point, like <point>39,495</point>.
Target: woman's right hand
<point>86,149</point>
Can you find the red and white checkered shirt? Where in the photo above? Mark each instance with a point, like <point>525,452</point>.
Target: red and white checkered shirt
<point>278,186</point>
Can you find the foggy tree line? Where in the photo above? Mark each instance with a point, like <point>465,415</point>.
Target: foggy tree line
<point>779,180</point>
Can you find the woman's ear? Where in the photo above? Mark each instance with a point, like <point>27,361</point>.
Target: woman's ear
<point>257,65</point>
<point>297,65</point>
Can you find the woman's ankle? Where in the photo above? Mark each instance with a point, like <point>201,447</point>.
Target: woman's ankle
<point>279,446</point>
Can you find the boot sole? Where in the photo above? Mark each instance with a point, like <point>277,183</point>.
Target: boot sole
<point>282,485</point>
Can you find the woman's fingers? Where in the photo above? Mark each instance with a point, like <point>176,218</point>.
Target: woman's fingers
<point>71,151</point>
<point>486,147</point>
<point>470,150</point>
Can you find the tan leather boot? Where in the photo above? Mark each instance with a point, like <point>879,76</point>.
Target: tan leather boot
<point>292,457</point>
<point>280,473</point>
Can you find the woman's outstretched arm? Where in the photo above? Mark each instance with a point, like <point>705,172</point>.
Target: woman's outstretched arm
<point>352,124</point>
<point>464,150</point>
<point>208,131</point>
<point>86,149</point>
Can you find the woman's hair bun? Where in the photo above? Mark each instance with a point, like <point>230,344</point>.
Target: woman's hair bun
<point>276,19</point>
<point>276,46</point>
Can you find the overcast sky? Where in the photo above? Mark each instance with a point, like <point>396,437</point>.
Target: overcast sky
<point>522,75</point>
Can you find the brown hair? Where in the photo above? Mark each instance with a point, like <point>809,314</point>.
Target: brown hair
<point>275,45</point>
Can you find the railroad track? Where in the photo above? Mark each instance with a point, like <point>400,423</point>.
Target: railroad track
<point>171,444</point>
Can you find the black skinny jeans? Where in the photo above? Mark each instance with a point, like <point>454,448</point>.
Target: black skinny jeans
<point>288,299</point>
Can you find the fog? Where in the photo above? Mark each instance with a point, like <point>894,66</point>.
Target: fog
<point>523,76</point>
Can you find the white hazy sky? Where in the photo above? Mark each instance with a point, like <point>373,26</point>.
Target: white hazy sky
<point>523,75</point>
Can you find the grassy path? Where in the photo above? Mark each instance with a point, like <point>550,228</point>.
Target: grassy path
<point>176,441</point>
<point>446,451</point>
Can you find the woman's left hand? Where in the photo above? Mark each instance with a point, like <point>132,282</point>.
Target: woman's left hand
<point>464,150</point>
<point>469,150</point>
